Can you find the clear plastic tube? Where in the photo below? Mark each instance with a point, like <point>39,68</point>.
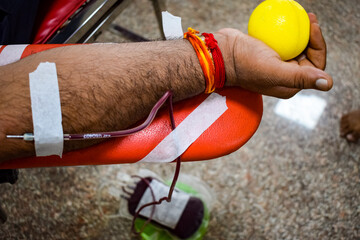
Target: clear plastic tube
<point>167,96</point>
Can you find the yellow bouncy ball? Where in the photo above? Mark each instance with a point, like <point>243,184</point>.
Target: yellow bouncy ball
<point>283,25</point>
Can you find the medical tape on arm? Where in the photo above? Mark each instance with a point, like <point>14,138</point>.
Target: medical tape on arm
<point>172,26</point>
<point>11,53</point>
<point>190,129</point>
<point>46,110</point>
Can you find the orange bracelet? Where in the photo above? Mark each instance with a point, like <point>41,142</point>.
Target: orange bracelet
<point>204,59</point>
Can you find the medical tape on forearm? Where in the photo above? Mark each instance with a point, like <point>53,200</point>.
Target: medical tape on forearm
<point>11,53</point>
<point>46,110</point>
<point>190,129</point>
<point>172,26</point>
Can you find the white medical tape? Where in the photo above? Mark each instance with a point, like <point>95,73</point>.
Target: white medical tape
<point>190,129</point>
<point>167,213</point>
<point>11,53</point>
<point>172,26</point>
<point>46,110</point>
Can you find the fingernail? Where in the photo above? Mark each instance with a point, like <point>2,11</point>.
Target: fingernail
<point>322,84</point>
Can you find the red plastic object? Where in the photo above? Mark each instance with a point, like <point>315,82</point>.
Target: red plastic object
<point>52,15</point>
<point>231,131</point>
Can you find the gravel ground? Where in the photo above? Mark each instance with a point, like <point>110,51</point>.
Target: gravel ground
<point>287,182</point>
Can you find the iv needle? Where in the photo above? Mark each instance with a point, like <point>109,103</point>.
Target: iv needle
<point>14,136</point>
<point>26,136</point>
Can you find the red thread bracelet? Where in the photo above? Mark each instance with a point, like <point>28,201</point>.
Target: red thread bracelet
<point>219,65</point>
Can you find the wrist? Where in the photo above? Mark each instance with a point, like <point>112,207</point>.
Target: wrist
<point>227,40</point>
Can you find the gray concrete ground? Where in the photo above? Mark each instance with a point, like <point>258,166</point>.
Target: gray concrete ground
<point>287,182</point>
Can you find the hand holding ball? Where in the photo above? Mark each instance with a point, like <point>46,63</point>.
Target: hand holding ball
<point>283,25</point>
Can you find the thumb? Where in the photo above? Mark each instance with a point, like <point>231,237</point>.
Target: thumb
<point>303,77</point>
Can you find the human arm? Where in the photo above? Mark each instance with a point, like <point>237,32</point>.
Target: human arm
<point>109,87</point>
<point>103,87</point>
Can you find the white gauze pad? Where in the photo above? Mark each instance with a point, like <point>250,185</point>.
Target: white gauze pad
<point>46,110</point>
<point>190,129</point>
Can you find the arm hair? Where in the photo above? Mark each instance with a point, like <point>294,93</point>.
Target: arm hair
<point>103,87</point>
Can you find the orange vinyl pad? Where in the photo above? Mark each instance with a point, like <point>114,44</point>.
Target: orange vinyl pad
<point>227,134</point>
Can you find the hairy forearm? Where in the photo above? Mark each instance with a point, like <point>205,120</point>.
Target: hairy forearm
<point>103,87</point>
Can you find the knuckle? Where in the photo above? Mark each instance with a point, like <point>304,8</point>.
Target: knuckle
<point>299,81</point>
